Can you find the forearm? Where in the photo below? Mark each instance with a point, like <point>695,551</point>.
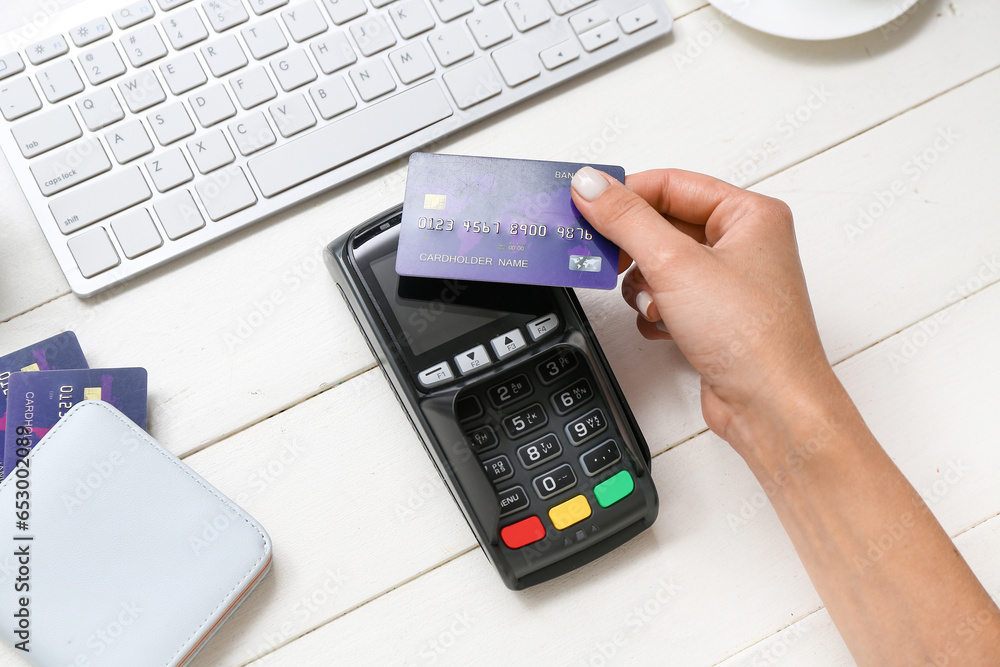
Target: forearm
<point>893,582</point>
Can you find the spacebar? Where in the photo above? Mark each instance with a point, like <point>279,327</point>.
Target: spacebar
<point>362,132</point>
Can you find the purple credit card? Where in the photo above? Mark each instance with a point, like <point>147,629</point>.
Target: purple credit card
<point>36,401</point>
<point>59,351</point>
<point>500,220</point>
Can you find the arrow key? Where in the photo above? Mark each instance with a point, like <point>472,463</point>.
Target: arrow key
<point>599,36</point>
<point>473,360</point>
<point>637,19</point>
<point>507,343</point>
<point>588,19</point>
<point>560,54</point>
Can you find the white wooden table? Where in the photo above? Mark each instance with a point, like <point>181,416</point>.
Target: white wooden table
<point>261,381</point>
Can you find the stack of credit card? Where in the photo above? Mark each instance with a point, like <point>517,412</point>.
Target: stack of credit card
<point>43,381</point>
<point>500,220</point>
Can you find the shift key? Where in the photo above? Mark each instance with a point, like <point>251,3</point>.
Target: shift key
<point>106,196</point>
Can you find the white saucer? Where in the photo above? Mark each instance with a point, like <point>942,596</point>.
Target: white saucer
<point>813,19</point>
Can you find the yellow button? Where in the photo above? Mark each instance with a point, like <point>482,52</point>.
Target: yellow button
<point>570,512</point>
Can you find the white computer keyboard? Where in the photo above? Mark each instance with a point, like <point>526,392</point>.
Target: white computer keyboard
<point>141,131</point>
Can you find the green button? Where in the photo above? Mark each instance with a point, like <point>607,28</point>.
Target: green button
<point>610,491</point>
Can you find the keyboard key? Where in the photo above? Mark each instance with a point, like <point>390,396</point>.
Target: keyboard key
<point>562,7</point>
<point>93,252</point>
<point>333,97</point>
<point>90,32</point>
<point>411,62</point>
<point>573,511</point>
<point>637,19</point>
<point>171,123</point>
<point>554,481</point>
<point>168,170</point>
<point>102,63</point>
<point>178,214</point>
<point>525,421</point>
<point>129,141</point>
<point>210,151</point>
<point>18,98</point>
<point>372,80</point>
<point>141,91</point>
<point>556,366</point>
<point>183,73</point>
<point>98,200</point>
<point>372,35</point>
<point>136,233</point>
<point>212,105</point>
<point>600,458</point>
<point>560,54</point>
<point>261,7</point>
<point>468,407</point>
<point>527,14</point>
<point>472,83</point>
<point>304,20</point>
<point>227,192</point>
<point>452,9</point>
<point>224,56</point>
<point>498,469</point>
<point>587,426</point>
<point>540,451</point>
<point>516,63</point>
<point>543,326</point>
<point>513,500</point>
<point>343,140</point>
<point>510,390</point>
<point>611,490</point>
<point>184,28</point>
<point>59,81</point>
<point>598,37</point>
<point>292,115</point>
<point>143,46</point>
<point>333,52</point>
<point>264,38</point>
<point>10,64</point>
<point>69,166</point>
<point>411,18</point>
<point>253,87</point>
<point>523,532</point>
<point>171,4</point>
<point>342,11</point>
<point>224,14</point>
<point>99,109</point>
<point>46,131</point>
<point>489,27</point>
<point>589,19</point>
<point>251,133</point>
<point>130,15</point>
<point>570,398</point>
<point>481,439</point>
<point>451,45</point>
<point>46,49</point>
<point>293,70</point>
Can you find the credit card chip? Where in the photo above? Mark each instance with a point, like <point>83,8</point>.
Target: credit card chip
<point>435,202</point>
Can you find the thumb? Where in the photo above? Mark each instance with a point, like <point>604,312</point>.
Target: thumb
<point>627,220</point>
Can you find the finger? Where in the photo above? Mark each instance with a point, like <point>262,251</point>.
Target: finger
<point>694,198</point>
<point>639,295</point>
<point>650,331</point>
<point>627,220</point>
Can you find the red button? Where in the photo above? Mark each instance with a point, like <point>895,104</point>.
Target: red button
<point>516,535</point>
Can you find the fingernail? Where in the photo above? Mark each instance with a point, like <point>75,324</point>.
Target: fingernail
<point>589,184</point>
<point>661,326</point>
<point>643,301</point>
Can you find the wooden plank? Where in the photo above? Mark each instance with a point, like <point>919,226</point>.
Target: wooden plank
<point>716,573</point>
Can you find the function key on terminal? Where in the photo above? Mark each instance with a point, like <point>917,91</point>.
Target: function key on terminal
<point>574,510</point>
<point>586,426</point>
<point>572,396</point>
<point>483,439</point>
<point>473,360</point>
<point>613,489</point>
<point>543,326</point>
<point>600,458</point>
<point>513,500</point>
<point>523,533</point>
<point>539,451</point>
<point>525,420</point>
<point>468,407</point>
<point>507,343</point>
<point>509,390</point>
<point>556,366</point>
<point>498,469</point>
<point>435,375</point>
<point>554,481</point>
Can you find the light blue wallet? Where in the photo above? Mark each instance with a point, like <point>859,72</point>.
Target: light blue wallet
<point>125,555</point>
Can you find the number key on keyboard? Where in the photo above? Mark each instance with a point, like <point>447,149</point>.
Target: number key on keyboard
<point>263,6</point>
<point>102,63</point>
<point>143,46</point>
<point>59,81</point>
<point>224,14</point>
<point>184,28</point>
